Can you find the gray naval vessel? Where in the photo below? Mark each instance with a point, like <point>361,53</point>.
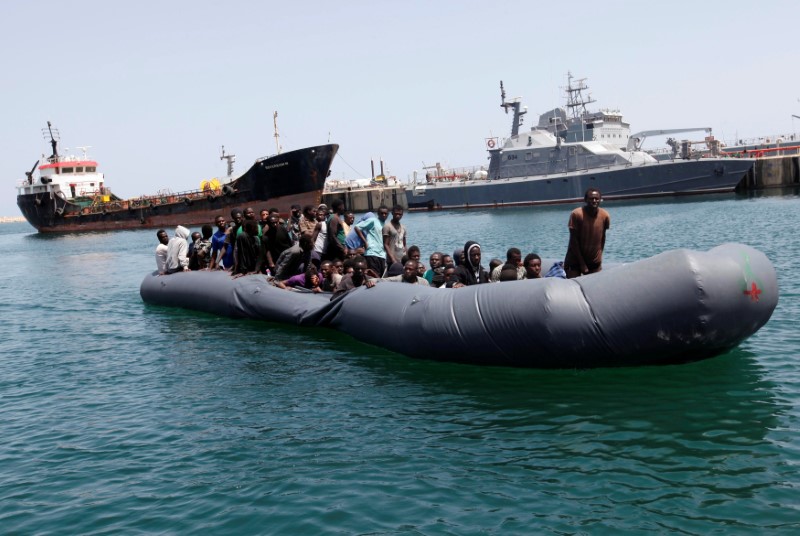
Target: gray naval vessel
<point>567,152</point>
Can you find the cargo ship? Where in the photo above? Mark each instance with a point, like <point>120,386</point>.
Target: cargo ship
<point>67,193</point>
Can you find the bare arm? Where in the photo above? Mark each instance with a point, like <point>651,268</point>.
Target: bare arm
<point>360,234</point>
<point>387,246</point>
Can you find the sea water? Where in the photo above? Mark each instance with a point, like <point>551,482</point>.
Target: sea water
<point>117,417</point>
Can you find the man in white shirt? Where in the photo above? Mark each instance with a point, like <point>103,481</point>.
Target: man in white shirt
<point>161,251</point>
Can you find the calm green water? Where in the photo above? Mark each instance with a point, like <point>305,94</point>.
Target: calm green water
<point>118,418</point>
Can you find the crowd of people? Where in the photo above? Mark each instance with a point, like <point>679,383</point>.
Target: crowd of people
<point>327,250</point>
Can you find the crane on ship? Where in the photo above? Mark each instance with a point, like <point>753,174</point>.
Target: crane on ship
<point>636,141</point>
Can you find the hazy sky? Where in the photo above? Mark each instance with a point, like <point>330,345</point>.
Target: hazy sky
<point>157,87</point>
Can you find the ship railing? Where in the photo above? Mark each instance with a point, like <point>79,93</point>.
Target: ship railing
<point>761,153</point>
<point>792,139</point>
<point>102,203</point>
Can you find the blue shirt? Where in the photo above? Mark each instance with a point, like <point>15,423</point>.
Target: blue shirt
<point>373,231</point>
<point>218,243</point>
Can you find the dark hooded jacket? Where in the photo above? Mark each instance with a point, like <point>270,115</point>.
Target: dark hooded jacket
<point>468,274</point>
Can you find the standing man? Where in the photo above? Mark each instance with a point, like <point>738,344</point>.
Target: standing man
<point>394,237</point>
<point>275,240</point>
<point>370,231</point>
<point>237,217</point>
<point>320,235</point>
<point>336,232</point>
<point>293,224</point>
<point>219,251</point>
<point>587,236</point>
<point>264,221</point>
<point>247,253</point>
<point>249,215</point>
<point>308,221</point>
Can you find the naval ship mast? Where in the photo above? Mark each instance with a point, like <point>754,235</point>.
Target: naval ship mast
<point>576,102</point>
<point>514,104</point>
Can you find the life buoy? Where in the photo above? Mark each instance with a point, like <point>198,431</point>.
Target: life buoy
<point>490,144</point>
<point>227,189</point>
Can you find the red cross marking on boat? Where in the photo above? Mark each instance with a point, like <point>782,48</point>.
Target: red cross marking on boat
<point>753,292</point>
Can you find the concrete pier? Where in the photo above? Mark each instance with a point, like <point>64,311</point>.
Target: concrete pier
<point>368,199</point>
<point>773,172</point>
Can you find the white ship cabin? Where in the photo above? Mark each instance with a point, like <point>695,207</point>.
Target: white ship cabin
<point>68,176</point>
<point>609,128</point>
<point>536,146</point>
<point>605,126</point>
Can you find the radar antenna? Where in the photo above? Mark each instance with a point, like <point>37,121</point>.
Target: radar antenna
<point>84,149</point>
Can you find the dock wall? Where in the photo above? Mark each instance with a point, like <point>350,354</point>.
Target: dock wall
<point>774,172</point>
<point>368,199</point>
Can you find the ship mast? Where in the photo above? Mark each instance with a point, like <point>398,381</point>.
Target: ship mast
<point>275,124</point>
<point>54,136</point>
<point>575,99</point>
<point>230,158</point>
<point>514,104</point>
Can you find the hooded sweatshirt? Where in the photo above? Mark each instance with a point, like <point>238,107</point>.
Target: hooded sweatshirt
<point>177,250</point>
<point>467,273</point>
